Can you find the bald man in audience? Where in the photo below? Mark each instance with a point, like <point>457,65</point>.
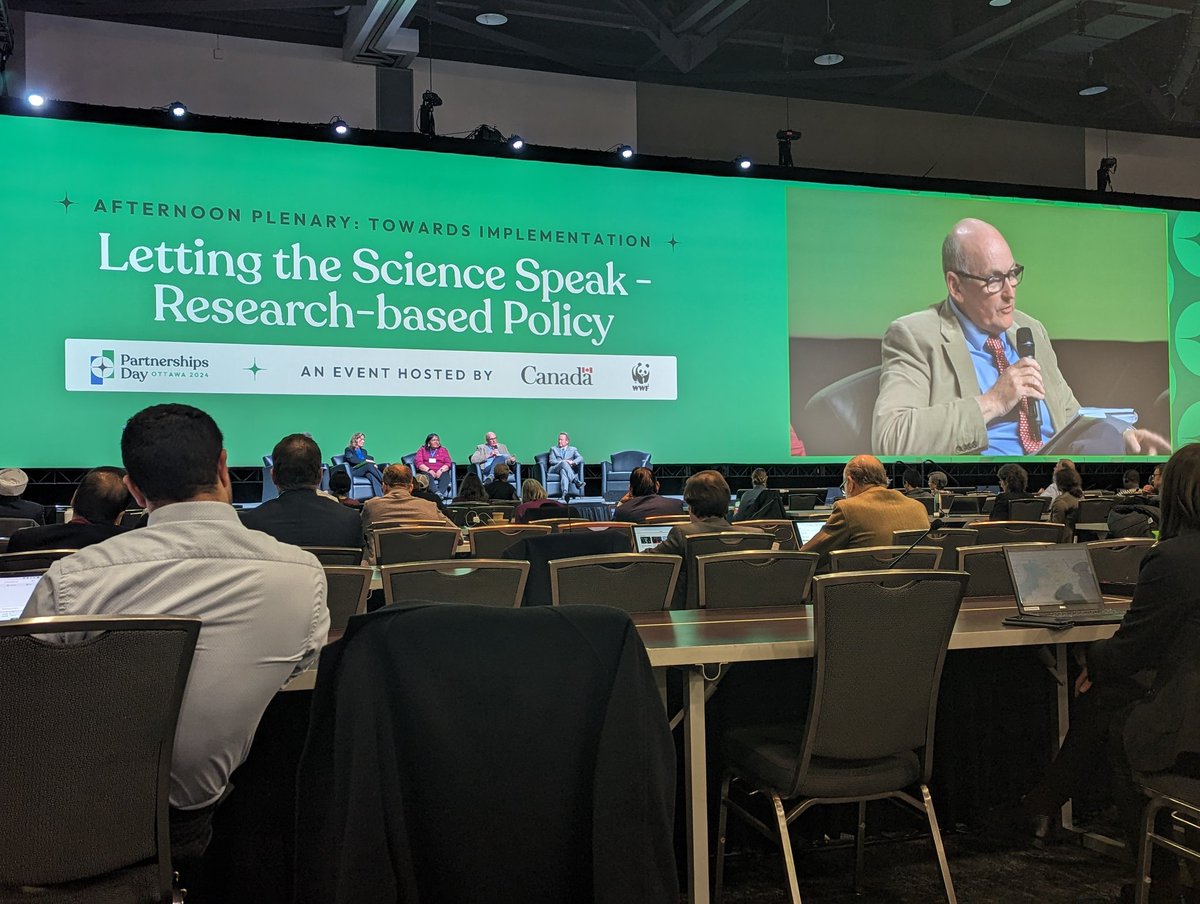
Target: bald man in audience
<point>868,514</point>
<point>97,504</point>
<point>707,496</point>
<point>397,504</point>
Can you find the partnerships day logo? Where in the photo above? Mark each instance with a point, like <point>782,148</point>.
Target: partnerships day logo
<point>106,367</point>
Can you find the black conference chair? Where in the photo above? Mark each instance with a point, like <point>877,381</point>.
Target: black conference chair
<point>615,473</point>
<point>349,586</point>
<point>34,560</point>
<point>394,545</point>
<point>987,568</point>
<point>1027,509</point>
<point>784,532</point>
<point>687,588</point>
<point>633,581</point>
<point>1117,562</point>
<point>539,551</point>
<point>871,558</point>
<point>482,582</point>
<point>948,539</point>
<point>754,577</point>
<point>490,541</point>
<point>336,555</point>
<point>86,789</point>
<point>887,631</point>
<point>988,532</point>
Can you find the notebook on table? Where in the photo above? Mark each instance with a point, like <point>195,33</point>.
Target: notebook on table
<point>1056,587</point>
<point>15,590</point>
<point>648,536</point>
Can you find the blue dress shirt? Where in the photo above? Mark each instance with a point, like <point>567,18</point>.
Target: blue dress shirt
<point>1002,433</point>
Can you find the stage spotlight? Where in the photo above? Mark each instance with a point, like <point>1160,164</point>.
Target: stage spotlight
<point>35,100</point>
<point>425,123</point>
<point>339,127</point>
<point>785,137</point>
<point>516,142</point>
<point>1108,166</point>
<point>178,110</point>
<point>743,162</point>
<point>625,152</point>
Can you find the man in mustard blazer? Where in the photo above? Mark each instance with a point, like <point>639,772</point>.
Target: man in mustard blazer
<point>868,514</point>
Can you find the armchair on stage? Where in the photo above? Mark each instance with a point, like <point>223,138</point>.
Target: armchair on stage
<point>614,473</point>
<point>551,481</point>
<point>360,487</point>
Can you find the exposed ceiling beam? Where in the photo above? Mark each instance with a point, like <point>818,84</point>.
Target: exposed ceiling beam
<point>1152,97</point>
<point>984,83</point>
<point>574,61</point>
<point>188,7</point>
<point>1185,67</point>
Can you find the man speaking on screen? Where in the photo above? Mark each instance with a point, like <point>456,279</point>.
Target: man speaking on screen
<point>973,375</point>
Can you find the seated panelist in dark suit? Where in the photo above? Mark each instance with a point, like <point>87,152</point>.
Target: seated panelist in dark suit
<point>362,464</point>
<point>98,502</point>
<point>13,482</point>
<point>643,500</point>
<point>868,514</point>
<point>707,496</point>
<point>1014,481</point>
<point>299,514</point>
<point>1154,729</point>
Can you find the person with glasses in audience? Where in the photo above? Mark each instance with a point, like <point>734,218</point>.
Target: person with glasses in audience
<point>953,381</point>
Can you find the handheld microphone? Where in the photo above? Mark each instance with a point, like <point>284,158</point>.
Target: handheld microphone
<point>935,524</point>
<point>1025,350</point>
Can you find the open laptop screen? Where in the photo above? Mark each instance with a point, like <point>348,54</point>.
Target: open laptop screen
<point>15,591</point>
<point>648,536</point>
<point>1050,577</point>
<point>806,530</point>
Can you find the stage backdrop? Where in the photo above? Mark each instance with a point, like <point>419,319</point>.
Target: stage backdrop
<point>309,286</point>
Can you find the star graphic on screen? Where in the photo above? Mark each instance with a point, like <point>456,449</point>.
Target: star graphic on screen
<point>254,369</point>
<point>66,202</point>
<point>673,243</point>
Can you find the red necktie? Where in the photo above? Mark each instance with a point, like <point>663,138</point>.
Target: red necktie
<point>1029,442</point>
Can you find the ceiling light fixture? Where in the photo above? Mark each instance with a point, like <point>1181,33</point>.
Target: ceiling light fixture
<point>828,53</point>
<point>492,19</point>
<point>1093,81</point>
<point>999,2</point>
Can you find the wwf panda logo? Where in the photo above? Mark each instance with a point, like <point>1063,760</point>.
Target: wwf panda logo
<point>641,373</point>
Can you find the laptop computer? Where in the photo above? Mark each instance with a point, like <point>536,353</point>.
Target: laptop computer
<point>15,590</point>
<point>648,536</point>
<point>1056,586</point>
<point>806,530</point>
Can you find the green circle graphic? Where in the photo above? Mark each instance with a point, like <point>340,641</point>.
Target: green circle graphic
<point>1188,430</point>
<point>1187,337</point>
<point>1186,240</point>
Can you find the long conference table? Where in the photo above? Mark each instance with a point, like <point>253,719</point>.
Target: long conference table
<point>694,639</point>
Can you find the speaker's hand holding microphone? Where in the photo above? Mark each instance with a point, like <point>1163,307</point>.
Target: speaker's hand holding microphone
<point>1020,380</point>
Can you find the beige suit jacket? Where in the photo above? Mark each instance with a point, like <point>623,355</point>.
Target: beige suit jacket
<point>867,519</point>
<point>928,387</point>
<point>398,505</point>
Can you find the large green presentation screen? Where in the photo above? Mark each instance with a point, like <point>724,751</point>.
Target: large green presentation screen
<point>291,286</point>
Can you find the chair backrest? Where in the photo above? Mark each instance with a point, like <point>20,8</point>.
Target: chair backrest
<point>754,577</point>
<point>804,502</point>
<point>34,559</point>
<point>1095,509</point>
<point>707,544</point>
<point>417,544</point>
<point>409,523</point>
<point>784,532</point>
<point>948,539</point>
<point>873,558</point>
<point>633,581</point>
<point>1118,561</point>
<point>91,721</point>
<point>129,515</point>
<point>484,582</point>
<point>9,526</point>
<point>491,541</point>
<point>989,532</point>
<point>844,409</point>
<point>667,519</point>
<point>596,527</point>
<point>971,504</point>
<point>349,587</point>
<point>626,461</point>
<point>336,555</point>
<point>988,569</point>
<point>879,642</point>
<point>1027,509</point>
<point>540,550</point>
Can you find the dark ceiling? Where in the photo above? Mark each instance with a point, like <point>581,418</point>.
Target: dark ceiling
<point>1023,61</point>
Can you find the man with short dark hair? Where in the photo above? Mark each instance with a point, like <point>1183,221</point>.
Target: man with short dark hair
<point>299,514</point>
<point>868,514</point>
<point>642,500</point>
<point>262,602</point>
<point>914,487</point>
<point>13,482</point>
<point>707,496</point>
<point>97,504</point>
